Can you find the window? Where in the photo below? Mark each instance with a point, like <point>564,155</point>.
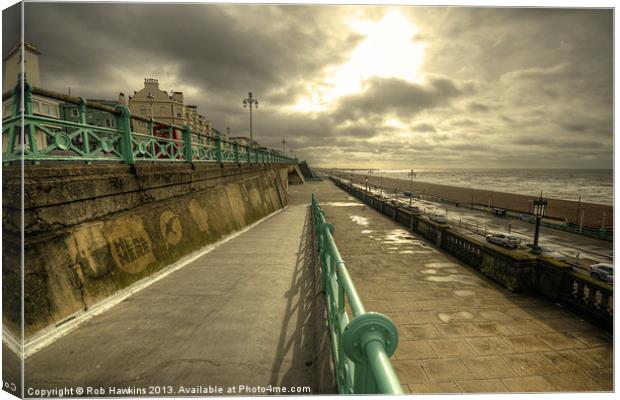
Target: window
<point>35,106</point>
<point>179,115</point>
<point>7,109</point>
<point>75,112</point>
<point>108,123</point>
<point>143,110</point>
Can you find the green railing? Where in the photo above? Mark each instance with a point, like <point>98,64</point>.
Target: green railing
<point>38,138</point>
<point>362,346</point>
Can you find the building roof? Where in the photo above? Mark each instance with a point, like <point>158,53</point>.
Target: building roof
<point>28,45</point>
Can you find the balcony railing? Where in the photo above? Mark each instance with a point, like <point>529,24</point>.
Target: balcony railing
<point>36,138</point>
<point>362,346</point>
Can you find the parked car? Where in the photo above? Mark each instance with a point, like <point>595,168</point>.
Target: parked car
<point>551,252</point>
<point>603,272</point>
<point>505,240</point>
<point>548,251</point>
<point>414,209</point>
<point>438,217</point>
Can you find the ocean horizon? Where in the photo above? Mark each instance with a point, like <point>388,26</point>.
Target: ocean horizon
<point>588,185</point>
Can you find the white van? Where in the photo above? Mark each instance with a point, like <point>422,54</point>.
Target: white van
<point>438,217</point>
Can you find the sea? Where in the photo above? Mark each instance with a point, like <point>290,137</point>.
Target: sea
<point>591,185</point>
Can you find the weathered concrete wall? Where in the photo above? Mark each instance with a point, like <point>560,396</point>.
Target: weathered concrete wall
<point>295,176</point>
<point>93,230</point>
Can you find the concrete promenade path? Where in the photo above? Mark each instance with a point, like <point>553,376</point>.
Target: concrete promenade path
<point>243,314</point>
<point>460,331</point>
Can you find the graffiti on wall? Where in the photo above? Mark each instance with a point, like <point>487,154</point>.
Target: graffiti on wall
<point>129,243</point>
<point>170,228</point>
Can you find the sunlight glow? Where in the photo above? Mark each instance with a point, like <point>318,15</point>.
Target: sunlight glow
<point>387,51</point>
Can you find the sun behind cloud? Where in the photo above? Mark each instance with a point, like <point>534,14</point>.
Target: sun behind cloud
<point>387,50</point>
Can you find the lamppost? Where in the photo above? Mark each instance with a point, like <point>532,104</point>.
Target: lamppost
<point>411,175</point>
<point>283,143</point>
<point>540,206</point>
<point>250,102</point>
<point>150,98</point>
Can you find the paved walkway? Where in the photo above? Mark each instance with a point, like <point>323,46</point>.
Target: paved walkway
<point>461,332</point>
<point>243,314</point>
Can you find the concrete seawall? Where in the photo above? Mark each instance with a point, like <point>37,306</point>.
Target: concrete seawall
<point>91,231</point>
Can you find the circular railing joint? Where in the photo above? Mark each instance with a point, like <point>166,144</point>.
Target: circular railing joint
<point>367,328</point>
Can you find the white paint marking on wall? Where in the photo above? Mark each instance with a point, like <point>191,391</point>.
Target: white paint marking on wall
<point>52,334</point>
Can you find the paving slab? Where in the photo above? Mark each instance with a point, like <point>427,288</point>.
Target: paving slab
<point>464,332</point>
<point>243,314</point>
<point>482,386</point>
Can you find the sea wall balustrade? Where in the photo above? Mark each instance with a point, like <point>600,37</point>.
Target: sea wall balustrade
<point>361,346</point>
<point>35,138</point>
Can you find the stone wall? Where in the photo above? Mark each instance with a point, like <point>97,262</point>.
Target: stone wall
<point>91,231</point>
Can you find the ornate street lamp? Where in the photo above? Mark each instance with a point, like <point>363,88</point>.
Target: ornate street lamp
<point>540,206</point>
<point>411,175</point>
<point>150,98</point>
<point>250,102</point>
<point>283,143</point>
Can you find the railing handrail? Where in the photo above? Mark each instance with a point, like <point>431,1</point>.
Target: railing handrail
<point>223,150</point>
<point>361,347</point>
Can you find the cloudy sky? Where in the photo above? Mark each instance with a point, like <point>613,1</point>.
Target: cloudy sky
<point>357,86</point>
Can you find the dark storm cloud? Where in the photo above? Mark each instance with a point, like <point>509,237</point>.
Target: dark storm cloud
<point>216,49</point>
<point>463,123</point>
<point>477,107</point>
<point>11,31</point>
<point>517,86</point>
<point>11,27</point>
<point>558,143</point>
<point>423,127</point>
<point>391,95</point>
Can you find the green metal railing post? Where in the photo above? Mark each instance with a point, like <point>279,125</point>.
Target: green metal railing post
<point>123,124</point>
<point>82,116</point>
<point>236,152</point>
<point>15,109</point>
<point>27,98</point>
<point>30,128</point>
<point>218,149</point>
<point>187,143</point>
<point>17,92</point>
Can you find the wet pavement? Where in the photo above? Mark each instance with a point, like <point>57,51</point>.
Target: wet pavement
<point>460,331</point>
